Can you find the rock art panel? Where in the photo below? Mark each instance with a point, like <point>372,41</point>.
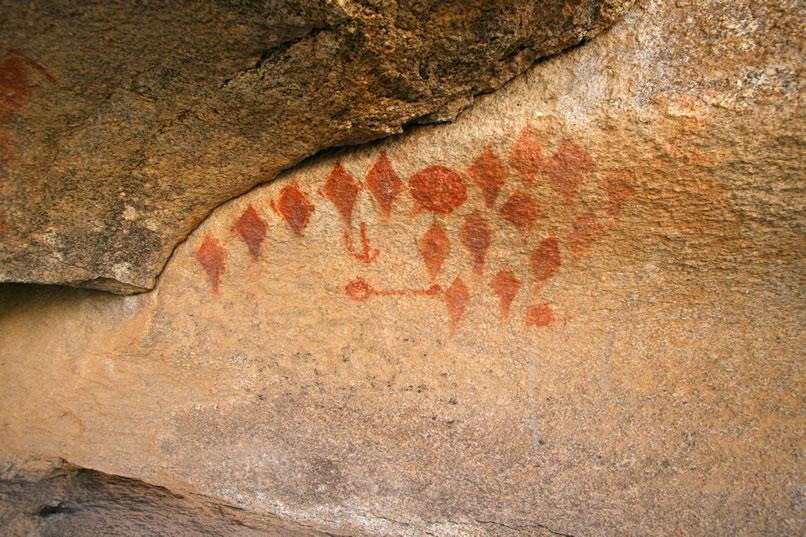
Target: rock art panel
<point>179,108</point>
<point>443,194</point>
<point>617,353</point>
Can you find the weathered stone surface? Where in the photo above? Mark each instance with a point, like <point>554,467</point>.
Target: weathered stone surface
<point>52,499</point>
<point>577,309</point>
<point>123,125</point>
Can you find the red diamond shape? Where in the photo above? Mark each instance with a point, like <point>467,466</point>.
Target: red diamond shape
<point>435,248</point>
<point>252,230</point>
<point>342,190</point>
<point>490,174</point>
<point>521,211</point>
<point>384,183</point>
<point>527,155</point>
<point>456,298</point>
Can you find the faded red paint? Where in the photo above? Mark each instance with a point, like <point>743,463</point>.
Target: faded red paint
<point>252,230</point>
<point>539,316</point>
<point>506,286</point>
<point>585,231</point>
<point>545,260</point>
<point>361,290</point>
<point>367,254</point>
<point>438,189</point>
<point>521,211</point>
<point>489,173</point>
<point>15,84</point>
<point>384,184</point>
<point>527,155</point>
<point>211,256</point>
<point>476,236</point>
<point>435,247</point>
<point>619,189</point>
<point>295,208</point>
<point>456,298</point>
<point>568,168</point>
<point>342,190</point>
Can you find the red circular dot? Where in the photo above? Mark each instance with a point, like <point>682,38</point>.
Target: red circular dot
<point>438,189</point>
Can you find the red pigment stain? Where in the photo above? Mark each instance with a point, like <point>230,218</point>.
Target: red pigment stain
<point>360,290</point>
<point>567,168</point>
<point>252,230</point>
<point>521,211</point>
<point>545,260</point>
<point>384,184</point>
<point>456,299</point>
<point>435,247</point>
<point>15,85</point>
<point>586,230</point>
<point>211,257</point>
<point>619,189</point>
<point>367,254</point>
<point>506,286</point>
<point>438,189</point>
<point>489,173</point>
<point>342,190</point>
<point>294,208</point>
<point>540,315</point>
<point>476,236</point>
<point>527,155</point>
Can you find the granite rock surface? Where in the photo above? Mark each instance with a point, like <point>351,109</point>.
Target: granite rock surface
<point>576,310</point>
<point>122,125</point>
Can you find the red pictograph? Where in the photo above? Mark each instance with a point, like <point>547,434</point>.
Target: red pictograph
<point>490,174</point>
<point>539,316</point>
<point>435,248</point>
<point>295,208</point>
<point>342,190</point>
<point>527,155</point>
<point>361,290</point>
<point>456,298</point>
<point>586,230</point>
<point>252,229</point>
<point>211,256</point>
<point>438,189</point>
<point>442,191</point>
<point>567,169</point>
<point>506,285</point>
<point>16,89</point>
<point>545,261</point>
<point>477,236</point>
<point>521,211</point>
<point>367,254</point>
<point>384,184</point>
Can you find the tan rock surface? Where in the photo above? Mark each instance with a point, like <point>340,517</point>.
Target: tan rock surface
<point>123,125</point>
<point>54,499</point>
<point>579,309</point>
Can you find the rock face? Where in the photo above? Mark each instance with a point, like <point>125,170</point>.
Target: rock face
<point>123,125</point>
<point>58,500</point>
<point>577,310</point>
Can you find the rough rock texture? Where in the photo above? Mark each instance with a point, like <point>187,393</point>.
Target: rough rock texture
<point>122,125</point>
<point>578,309</point>
<point>52,499</point>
